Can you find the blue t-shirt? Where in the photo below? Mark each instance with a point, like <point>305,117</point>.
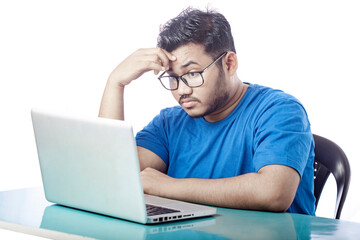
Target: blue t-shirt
<point>267,127</point>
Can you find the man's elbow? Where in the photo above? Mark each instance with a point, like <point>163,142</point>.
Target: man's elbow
<point>280,202</point>
<point>279,187</point>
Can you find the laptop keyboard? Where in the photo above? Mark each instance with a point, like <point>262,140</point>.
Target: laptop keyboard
<point>156,210</point>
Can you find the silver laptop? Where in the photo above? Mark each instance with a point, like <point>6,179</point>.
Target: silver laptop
<point>92,164</point>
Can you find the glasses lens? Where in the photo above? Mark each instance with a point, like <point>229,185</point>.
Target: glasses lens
<point>193,79</point>
<point>169,82</point>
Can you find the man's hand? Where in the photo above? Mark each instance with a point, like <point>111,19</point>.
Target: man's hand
<point>141,61</point>
<point>155,182</point>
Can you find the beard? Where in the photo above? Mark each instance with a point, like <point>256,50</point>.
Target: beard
<point>220,97</point>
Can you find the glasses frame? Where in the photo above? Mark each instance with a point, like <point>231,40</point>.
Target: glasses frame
<point>184,80</point>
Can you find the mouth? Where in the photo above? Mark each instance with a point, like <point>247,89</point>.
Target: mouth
<point>188,102</point>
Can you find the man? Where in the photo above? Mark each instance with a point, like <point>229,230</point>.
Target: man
<point>229,143</point>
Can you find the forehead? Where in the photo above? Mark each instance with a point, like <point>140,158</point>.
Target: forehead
<point>190,53</point>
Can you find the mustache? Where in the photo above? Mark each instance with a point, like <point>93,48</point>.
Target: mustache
<point>187,97</point>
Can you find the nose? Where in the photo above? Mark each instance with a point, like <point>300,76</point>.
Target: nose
<point>183,89</point>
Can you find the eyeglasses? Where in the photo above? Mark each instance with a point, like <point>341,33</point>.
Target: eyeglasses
<point>191,79</point>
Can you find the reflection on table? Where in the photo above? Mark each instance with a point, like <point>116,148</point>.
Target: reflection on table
<point>28,207</point>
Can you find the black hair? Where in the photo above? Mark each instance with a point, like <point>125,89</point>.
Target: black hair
<point>208,28</point>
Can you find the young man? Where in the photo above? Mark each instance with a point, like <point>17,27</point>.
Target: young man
<point>229,143</point>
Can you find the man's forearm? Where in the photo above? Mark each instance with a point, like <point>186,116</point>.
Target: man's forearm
<point>112,103</point>
<point>226,192</point>
<point>273,188</point>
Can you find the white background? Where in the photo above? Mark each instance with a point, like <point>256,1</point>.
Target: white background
<point>58,54</point>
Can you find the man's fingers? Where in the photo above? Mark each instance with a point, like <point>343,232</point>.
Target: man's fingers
<point>157,55</point>
<point>156,66</point>
<point>169,55</point>
<point>164,57</point>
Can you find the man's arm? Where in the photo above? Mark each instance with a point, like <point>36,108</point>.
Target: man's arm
<point>272,188</point>
<point>148,159</point>
<point>141,61</point>
<point>112,103</point>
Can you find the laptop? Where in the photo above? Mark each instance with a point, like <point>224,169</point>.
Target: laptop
<point>92,164</point>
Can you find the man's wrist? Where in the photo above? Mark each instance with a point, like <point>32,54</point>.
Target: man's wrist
<point>115,84</point>
<point>173,188</point>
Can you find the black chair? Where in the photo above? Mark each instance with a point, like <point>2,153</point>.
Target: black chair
<point>330,158</point>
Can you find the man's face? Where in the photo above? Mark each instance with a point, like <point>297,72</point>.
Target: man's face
<point>208,98</point>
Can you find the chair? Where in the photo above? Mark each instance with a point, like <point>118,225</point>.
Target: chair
<point>330,158</point>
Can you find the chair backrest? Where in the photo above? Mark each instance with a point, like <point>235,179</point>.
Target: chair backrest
<point>330,158</point>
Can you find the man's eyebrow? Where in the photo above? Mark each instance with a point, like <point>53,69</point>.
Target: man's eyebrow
<point>188,64</point>
<point>184,65</point>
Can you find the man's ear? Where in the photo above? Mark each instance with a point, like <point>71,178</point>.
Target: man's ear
<point>231,63</point>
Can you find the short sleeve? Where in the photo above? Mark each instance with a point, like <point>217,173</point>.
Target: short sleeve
<point>153,137</point>
<point>283,136</point>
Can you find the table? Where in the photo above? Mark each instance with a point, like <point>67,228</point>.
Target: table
<point>26,210</point>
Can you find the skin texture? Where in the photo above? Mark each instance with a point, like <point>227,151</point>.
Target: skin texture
<point>272,188</point>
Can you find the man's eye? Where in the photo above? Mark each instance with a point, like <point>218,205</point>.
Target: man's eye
<point>192,74</point>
